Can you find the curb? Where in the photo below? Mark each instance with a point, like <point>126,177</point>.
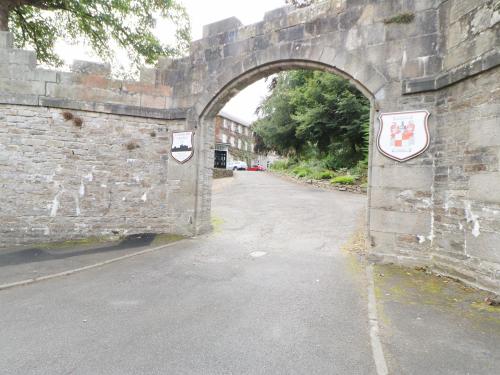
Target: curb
<point>376,344</point>
<point>85,268</point>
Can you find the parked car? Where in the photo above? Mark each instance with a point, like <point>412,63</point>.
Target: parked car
<point>237,166</point>
<point>256,168</point>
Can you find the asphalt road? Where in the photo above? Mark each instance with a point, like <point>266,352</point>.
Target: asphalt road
<point>269,292</point>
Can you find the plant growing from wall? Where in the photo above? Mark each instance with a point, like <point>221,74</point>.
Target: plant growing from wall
<point>403,18</point>
<point>68,116</point>
<point>132,145</point>
<point>78,122</point>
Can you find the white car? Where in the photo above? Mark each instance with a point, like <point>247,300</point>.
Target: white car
<point>237,166</point>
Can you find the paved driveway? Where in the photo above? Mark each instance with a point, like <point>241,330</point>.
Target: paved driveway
<point>269,292</point>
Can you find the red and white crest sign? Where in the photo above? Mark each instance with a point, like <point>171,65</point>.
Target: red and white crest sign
<point>403,135</point>
<point>182,146</point>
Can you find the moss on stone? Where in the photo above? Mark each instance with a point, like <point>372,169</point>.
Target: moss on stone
<point>61,245</point>
<point>217,223</point>
<point>408,286</point>
<point>403,18</point>
<point>164,239</point>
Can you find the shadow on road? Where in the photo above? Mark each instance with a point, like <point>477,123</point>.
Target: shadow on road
<point>37,254</point>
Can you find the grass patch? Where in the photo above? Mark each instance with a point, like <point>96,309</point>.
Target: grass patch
<point>323,175</point>
<point>344,180</point>
<point>302,171</point>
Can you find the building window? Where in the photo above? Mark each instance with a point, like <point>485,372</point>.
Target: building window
<point>232,141</point>
<point>224,138</point>
<point>239,144</point>
<point>224,123</point>
<point>240,129</point>
<point>232,126</point>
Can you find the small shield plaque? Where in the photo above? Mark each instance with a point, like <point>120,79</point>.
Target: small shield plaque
<point>182,146</point>
<point>403,135</point>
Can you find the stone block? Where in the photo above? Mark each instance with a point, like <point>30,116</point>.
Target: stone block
<point>19,57</point>
<point>382,242</point>
<point>148,75</point>
<point>88,67</point>
<point>221,26</point>
<point>424,23</point>
<point>480,128</point>
<point>22,87</point>
<point>277,13</point>
<point>19,99</point>
<point>150,101</point>
<point>6,40</point>
<point>16,72</point>
<point>416,223</point>
<point>403,177</point>
<point>484,246</point>
<point>292,33</point>
<point>46,75</point>
<point>484,187</point>
<point>84,93</point>
<point>459,9</point>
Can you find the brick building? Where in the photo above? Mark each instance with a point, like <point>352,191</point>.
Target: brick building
<point>234,141</point>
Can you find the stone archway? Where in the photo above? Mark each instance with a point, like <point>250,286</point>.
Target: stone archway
<point>332,37</point>
<point>401,66</point>
<point>230,89</point>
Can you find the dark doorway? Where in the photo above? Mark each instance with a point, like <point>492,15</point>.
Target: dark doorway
<point>220,159</point>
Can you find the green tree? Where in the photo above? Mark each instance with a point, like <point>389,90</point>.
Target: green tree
<point>101,23</point>
<point>315,109</point>
<point>300,3</point>
<point>276,128</point>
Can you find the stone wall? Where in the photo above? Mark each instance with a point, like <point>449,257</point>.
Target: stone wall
<point>222,173</point>
<point>466,181</point>
<point>465,152</point>
<point>60,181</point>
<point>113,175</point>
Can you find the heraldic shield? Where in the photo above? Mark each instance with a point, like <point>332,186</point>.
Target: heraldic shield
<point>403,135</point>
<point>182,146</point>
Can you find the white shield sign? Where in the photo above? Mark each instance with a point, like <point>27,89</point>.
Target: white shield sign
<point>182,146</point>
<point>403,135</point>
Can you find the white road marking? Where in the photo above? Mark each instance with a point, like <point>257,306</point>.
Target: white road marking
<point>377,350</point>
<point>258,254</point>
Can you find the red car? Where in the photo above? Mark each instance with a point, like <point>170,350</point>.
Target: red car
<point>256,168</point>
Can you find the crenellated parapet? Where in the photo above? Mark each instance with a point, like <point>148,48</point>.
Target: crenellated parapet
<point>88,86</point>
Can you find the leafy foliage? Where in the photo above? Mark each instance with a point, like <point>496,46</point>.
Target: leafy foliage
<point>300,3</point>
<point>103,24</point>
<point>312,111</point>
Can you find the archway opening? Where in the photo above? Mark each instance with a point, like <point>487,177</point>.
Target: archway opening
<point>321,147</point>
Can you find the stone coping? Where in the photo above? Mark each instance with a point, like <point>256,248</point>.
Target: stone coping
<point>485,62</point>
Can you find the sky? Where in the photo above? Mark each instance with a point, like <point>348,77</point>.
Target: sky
<point>203,12</point>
